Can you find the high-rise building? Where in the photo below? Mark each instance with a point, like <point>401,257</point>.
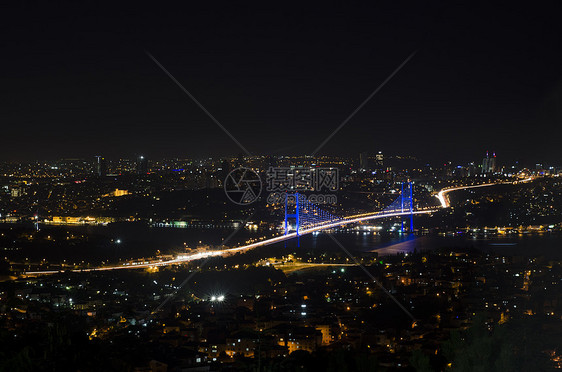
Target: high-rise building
<point>489,163</point>
<point>493,165</point>
<point>101,166</point>
<point>142,165</point>
<point>364,161</point>
<point>379,159</point>
<point>485,163</point>
<point>472,170</point>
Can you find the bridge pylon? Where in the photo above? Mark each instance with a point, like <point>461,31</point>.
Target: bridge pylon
<point>307,215</point>
<point>293,215</point>
<point>407,204</point>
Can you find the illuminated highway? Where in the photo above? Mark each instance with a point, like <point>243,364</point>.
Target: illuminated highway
<point>444,200</point>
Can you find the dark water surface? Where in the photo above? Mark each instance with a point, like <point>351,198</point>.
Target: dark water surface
<point>140,240</point>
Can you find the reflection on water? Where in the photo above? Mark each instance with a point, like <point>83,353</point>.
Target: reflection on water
<point>547,245</point>
<point>407,245</point>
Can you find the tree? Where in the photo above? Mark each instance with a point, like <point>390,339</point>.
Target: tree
<point>420,361</point>
<point>514,346</point>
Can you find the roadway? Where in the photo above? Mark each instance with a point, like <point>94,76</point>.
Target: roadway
<point>444,200</point>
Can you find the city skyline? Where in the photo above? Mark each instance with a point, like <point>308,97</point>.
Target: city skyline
<point>485,163</point>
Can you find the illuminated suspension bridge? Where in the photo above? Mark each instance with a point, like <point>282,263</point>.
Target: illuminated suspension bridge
<point>308,218</point>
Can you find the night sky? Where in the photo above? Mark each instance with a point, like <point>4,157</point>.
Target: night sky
<point>76,81</point>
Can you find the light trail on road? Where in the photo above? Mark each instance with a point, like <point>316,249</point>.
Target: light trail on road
<point>442,195</point>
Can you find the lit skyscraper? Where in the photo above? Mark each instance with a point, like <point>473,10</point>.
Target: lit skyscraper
<point>101,166</point>
<point>364,161</point>
<point>379,159</point>
<point>142,165</point>
<point>489,163</point>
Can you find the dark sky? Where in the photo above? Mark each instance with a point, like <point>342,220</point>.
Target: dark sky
<point>76,82</point>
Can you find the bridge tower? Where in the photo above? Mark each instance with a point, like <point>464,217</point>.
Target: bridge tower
<point>407,204</point>
<point>293,215</point>
<point>307,214</point>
